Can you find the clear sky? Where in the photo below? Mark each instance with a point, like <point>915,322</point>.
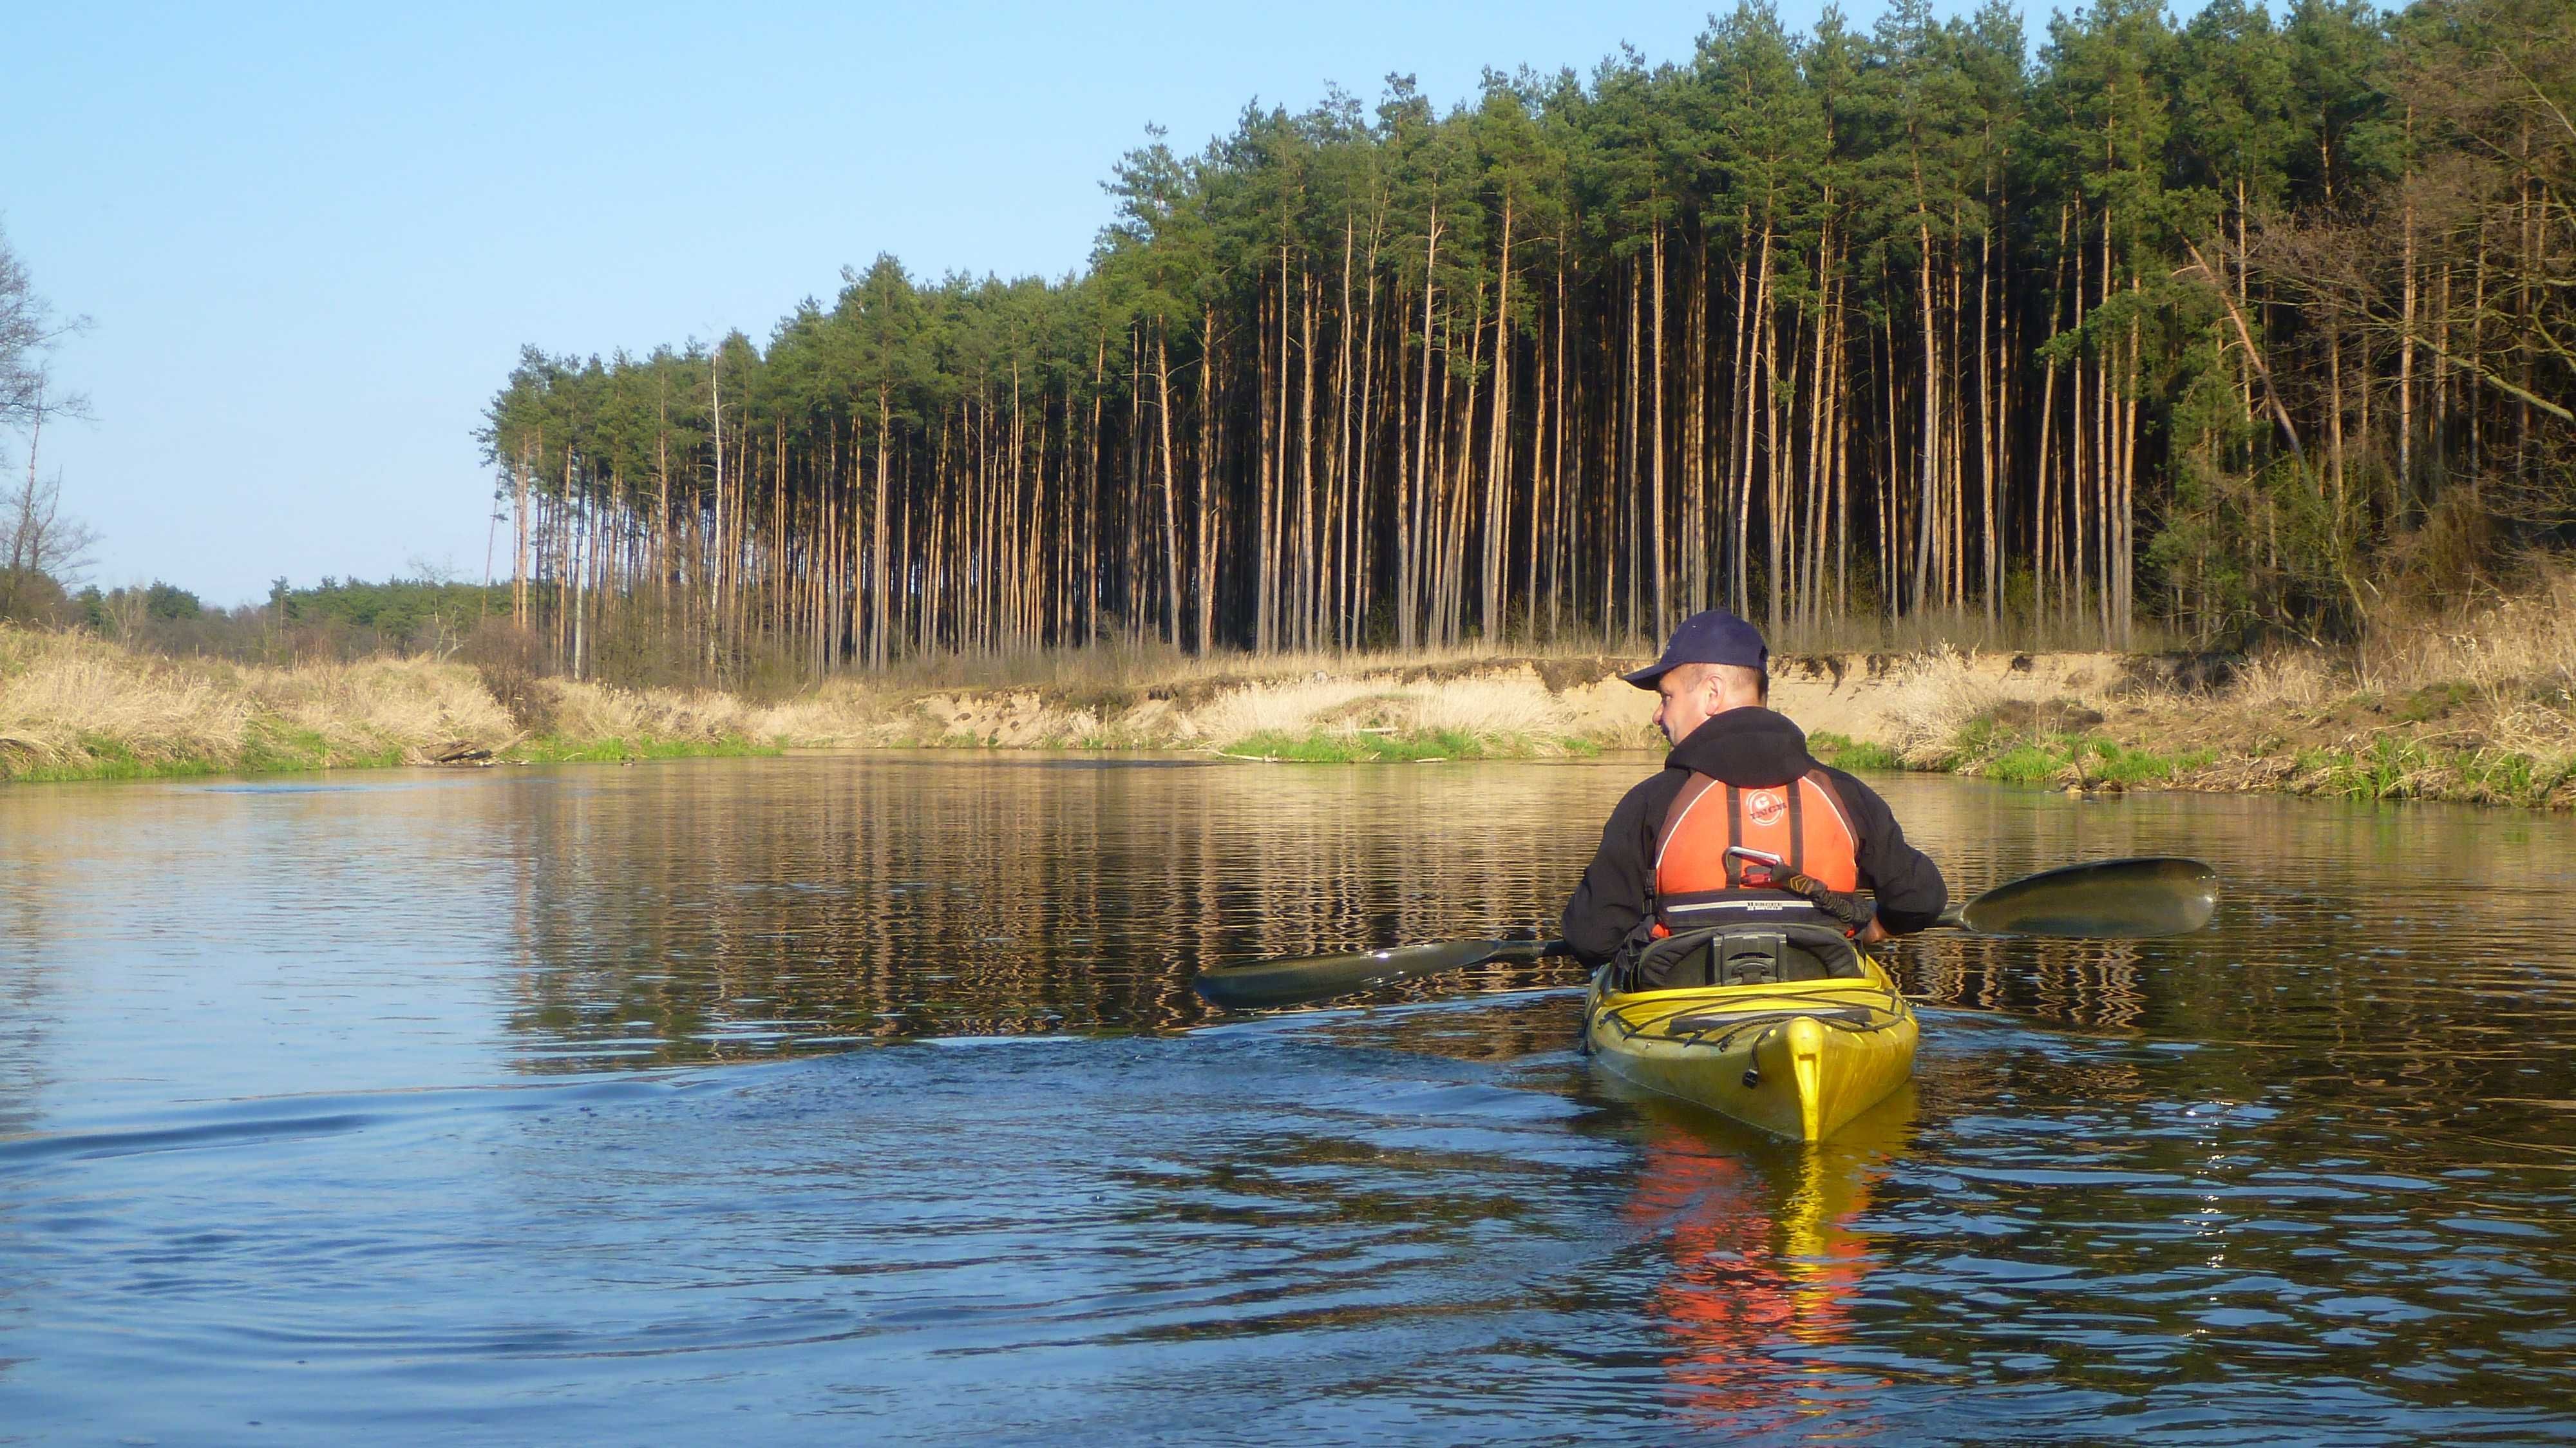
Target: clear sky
<point>311,240</point>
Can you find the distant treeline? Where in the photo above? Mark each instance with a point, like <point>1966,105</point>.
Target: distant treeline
<point>336,619</point>
<point>2235,324</point>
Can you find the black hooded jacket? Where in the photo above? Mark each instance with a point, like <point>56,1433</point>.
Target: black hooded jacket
<point>1752,748</point>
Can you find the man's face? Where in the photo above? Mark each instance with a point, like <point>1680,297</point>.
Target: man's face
<point>1685,698</point>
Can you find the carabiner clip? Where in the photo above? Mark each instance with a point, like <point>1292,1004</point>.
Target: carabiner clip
<point>1774,869</point>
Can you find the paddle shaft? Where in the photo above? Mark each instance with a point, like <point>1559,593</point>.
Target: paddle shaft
<point>2099,900</point>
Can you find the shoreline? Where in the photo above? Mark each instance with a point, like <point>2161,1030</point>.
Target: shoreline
<point>74,708</point>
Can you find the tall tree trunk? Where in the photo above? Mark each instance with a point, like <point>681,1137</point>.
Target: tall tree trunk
<point>1497,479</point>
<point>2406,331</point>
<point>1171,526</point>
<point>1655,513</point>
<point>1203,536</point>
<point>1410,527</point>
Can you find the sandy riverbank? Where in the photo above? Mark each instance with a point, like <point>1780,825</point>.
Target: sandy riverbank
<point>2484,714</point>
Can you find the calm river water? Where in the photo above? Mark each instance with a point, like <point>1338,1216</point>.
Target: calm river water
<point>864,1098</point>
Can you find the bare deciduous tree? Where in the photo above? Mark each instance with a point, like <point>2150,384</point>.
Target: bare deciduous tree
<point>39,548</point>
<point>28,331</point>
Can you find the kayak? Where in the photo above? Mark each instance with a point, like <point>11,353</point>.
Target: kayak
<point>1795,1059</point>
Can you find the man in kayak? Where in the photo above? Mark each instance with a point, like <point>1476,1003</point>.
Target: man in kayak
<point>1743,826</point>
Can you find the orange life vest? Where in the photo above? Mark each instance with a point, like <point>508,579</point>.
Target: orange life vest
<point>1713,853</point>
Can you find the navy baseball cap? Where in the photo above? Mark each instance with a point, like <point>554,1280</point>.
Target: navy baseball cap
<point>1714,637</point>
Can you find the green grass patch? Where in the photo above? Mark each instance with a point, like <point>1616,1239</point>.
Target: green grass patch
<point>79,771</point>
<point>1436,744</point>
<point>2385,770</point>
<point>2117,763</point>
<point>272,749</point>
<point>2393,768</point>
<point>1844,752</point>
<point>2512,778</point>
<point>109,752</point>
<point>2028,764</point>
<point>277,749</point>
<point>2433,701</point>
<point>2058,760</point>
<point>613,750</point>
<point>268,749</point>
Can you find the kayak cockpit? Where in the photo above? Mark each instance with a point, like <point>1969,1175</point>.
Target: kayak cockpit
<point>1783,953</point>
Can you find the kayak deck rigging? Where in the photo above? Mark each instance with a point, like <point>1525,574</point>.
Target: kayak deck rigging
<point>1689,1030</point>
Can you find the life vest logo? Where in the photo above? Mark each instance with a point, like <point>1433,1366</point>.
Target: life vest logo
<point>1765,806</point>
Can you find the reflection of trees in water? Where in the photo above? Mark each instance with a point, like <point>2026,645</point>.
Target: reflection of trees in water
<point>1498,1032</point>
<point>2405,959</point>
<point>27,965</point>
<point>744,911</point>
<point>2412,956</point>
<point>2088,983</point>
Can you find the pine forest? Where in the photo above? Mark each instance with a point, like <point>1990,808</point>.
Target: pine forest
<point>2229,326</point>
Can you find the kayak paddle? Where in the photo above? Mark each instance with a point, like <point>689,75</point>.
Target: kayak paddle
<point>2132,899</point>
<point>1306,978</point>
<point>2101,900</point>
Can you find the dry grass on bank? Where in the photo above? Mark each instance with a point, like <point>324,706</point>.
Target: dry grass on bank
<point>73,706</point>
<point>2478,707</point>
<point>1437,708</point>
<point>2519,641</point>
<point>76,707</point>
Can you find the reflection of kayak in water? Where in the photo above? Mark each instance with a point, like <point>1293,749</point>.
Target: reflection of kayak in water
<point>1766,1256</point>
<point>1796,1059</point>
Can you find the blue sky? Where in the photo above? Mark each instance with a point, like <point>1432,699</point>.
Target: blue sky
<point>311,240</point>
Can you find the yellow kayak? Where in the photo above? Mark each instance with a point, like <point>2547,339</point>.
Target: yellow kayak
<point>1796,1059</point>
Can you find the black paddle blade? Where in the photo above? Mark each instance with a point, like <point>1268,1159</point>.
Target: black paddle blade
<point>1309,978</point>
<point>2103,900</point>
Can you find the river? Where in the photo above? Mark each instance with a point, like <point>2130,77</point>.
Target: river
<point>864,1098</point>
